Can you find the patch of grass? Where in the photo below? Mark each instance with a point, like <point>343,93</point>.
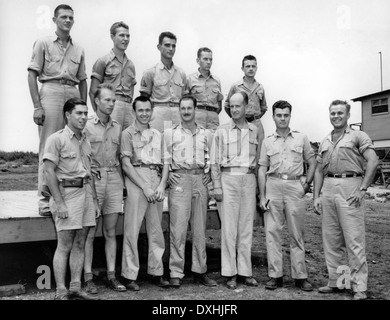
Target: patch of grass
<point>22,157</point>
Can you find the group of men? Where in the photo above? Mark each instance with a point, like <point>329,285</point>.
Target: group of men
<point>169,139</point>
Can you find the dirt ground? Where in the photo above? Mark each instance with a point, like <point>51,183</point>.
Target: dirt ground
<point>377,247</point>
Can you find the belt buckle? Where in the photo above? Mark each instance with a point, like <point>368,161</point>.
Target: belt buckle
<point>284,176</point>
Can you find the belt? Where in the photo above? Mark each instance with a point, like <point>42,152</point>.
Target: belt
<point>189,171</point>
<point>76,182</point>
<point>344,175</point>
<point>150,166</point>
<point>284,176</point>
<point>166,104</point>
<point>207,108</point>
<point>251,118</point>
<point>123,98</point>
<point>238,170</point>
<point>107,169</point>
<point>62,81</point>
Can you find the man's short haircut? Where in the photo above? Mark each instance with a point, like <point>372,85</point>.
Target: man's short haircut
<point>102,86</point>
<point>70,105</point>
<point>342,102</point>
<point>117,25</point>
<point>141,99</point>
<point>188,97</point>
<point>281,104</point>
<point>166,34</point>
<point>203,49</point>
<point>61,7</point>
<point>248,57</point>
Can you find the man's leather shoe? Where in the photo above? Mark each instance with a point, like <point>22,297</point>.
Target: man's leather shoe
<point>274,283</point>
<point>44,212</point>
<point>81,295</point>
<point>327,289</point>
<point>131,285</point>
<point>250,282</point>
<point>303,284</point>
<point>61,295</point>
<point>90,287</point>
<point>232,283</point>
<point>205,280</point>
<point>175,282</point>
<point>360,295</point>
<point>115,285</point>
<point>160,281</point>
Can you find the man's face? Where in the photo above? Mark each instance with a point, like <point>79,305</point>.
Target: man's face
<point>237,106</point>
<point>187,110</point>
<point>77,118</point>
<point>121,39</point>
<point>64,20</point>
<point>143,112</point>
<point>205,61</point>
<point>338,116</point>
<point>167,48</point>
<point>105,104</point>
<point>282,118</point>
<point>249,68</point>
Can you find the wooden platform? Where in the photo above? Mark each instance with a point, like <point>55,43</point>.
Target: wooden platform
<point>20,221</point>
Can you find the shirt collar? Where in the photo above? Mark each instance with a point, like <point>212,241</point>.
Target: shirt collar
<point>135,129</point>
<point>55,38</point>
<point>246,125</point>
<point>112,56</point>
<point>71,134</point>
<point>290,133</point>
<point>347,130</point>
<point>110,122</point>
<point>179,126</point>
<point>162,66</point>
<point>243,83</point>
<point>198,74</point>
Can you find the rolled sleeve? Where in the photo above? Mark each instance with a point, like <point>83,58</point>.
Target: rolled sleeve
<point>147,82</point>
<point>167,148</point>
<point>264,159</point>
<point>81,73</point>
<point>126,145</point>
<point>37,58</point>
<point>98,70</point>
<point>52,150</point>
<point>364,143</point>
<point>307,149</point>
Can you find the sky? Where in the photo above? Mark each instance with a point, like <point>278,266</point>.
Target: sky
<point>309,52</point>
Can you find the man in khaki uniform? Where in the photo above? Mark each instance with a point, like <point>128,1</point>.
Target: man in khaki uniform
<point>187,155</point>
<point>59,64</point>
<point>206,89</point>
<point>164,84</point>
<point>118,70</point>
<point>234,157</point>
<point>142,164</point>
<point>104,134</point>
<point>73,203</point>
<point>257,104</point>
<point>284,186</point>
<point>347,164</point>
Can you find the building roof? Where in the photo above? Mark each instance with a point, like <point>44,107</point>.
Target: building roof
<point>370,95</point>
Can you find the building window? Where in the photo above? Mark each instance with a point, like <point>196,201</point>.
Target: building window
<point>380,106</point>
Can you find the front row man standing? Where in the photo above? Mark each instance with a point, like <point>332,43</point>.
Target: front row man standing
<point>104,134</point>
<point>68,172</point>
<point>343,177</point>
<point>187,154</point>
<point>142,163</point>
<point>234,159</point>
<point>284,186</point>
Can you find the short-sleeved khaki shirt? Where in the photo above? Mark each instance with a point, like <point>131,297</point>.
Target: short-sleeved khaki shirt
<point>164,85</point>
<point>120,74</point>
<point>53,62</point>
<point>105,142</point>
<point>71,156</point>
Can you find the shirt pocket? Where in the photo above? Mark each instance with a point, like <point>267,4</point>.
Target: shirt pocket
<point>128,79</point>
<point>296,154</point>
<point>70,162</point>
<point>52,64</point>
<point>74,66</point>
<point>274,157</point>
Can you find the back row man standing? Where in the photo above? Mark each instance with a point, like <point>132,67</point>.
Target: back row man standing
<point>59,64</point>
<point>116,69</point>
<point>257,104</point>
<point>164,84</point>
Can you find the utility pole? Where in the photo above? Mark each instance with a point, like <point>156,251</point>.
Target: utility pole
<point>380,55</point>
